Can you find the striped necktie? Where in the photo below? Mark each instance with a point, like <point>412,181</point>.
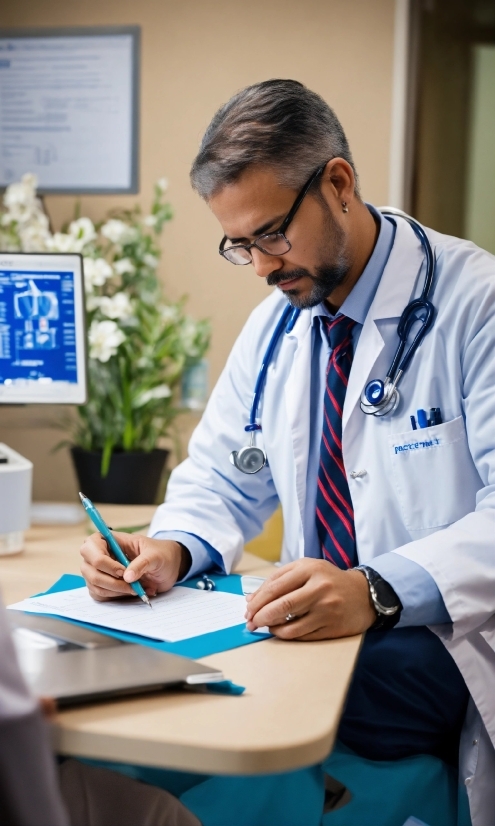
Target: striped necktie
<point>334,512</point>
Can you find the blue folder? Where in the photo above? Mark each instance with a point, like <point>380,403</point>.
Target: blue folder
<point>195,647</point>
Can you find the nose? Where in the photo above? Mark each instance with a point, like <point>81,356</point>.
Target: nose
<point>265,264</point>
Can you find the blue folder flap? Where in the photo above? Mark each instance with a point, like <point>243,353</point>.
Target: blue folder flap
<point>195,647</point>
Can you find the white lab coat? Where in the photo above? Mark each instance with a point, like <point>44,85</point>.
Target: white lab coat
<point>434,504</point>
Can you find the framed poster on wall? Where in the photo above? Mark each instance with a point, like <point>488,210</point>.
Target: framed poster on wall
<point>69,108</point>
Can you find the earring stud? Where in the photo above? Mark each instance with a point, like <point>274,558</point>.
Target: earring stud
<point>345,208</point>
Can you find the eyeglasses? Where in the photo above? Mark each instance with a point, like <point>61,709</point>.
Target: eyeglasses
<point>274,243</point>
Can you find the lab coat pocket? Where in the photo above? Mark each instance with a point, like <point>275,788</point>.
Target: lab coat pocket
<point>433,474</point>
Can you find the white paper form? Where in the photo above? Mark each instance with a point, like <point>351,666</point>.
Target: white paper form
<point>179,614</point>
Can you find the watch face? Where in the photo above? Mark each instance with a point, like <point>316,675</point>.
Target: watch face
<point>385,594</point>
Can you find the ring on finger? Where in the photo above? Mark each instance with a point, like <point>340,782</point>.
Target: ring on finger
<point>290,617</point>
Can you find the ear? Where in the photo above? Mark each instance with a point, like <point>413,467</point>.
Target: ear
<point>338,181</point>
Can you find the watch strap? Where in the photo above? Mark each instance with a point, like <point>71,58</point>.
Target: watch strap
<point>384,623</point>
<point>387,617</point>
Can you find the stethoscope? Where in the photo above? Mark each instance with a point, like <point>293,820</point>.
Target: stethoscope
<point>250,459</point>
<point>379,398</point>
<point>382,397</point>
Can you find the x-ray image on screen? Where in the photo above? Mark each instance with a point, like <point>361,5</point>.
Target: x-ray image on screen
<point>37,308</point>
<point>41,322</point>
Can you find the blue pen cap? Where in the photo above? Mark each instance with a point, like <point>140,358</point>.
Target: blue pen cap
<point>422,417</point>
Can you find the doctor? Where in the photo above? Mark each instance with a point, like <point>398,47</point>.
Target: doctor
<point>415,510</point>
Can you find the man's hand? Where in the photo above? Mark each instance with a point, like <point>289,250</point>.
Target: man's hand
<point>325,601</point>
<point>158,563</point>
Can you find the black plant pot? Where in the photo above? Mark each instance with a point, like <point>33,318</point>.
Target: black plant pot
<point>133,477</point>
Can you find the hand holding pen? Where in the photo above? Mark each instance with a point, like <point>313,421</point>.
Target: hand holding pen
<point>156,563</point>
<point>113,545</point>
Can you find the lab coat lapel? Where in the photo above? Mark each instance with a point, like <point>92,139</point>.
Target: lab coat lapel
<point>393,294</point>
<point>297,393</point>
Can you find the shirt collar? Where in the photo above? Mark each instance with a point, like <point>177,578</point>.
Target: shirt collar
<point>360,299</point>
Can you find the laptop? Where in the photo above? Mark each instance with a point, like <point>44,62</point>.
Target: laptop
<point>76,665</point>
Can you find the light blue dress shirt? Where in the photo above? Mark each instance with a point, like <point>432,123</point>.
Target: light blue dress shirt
<point>416,589</point>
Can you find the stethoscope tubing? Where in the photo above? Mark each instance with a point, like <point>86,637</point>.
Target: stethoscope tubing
<point>425,243</point>
<point>408,318</point>
<point>286,322</point>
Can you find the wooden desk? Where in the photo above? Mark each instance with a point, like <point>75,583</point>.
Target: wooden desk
<point>286,719</point>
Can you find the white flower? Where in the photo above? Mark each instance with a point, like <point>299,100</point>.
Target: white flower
<point>92,302</point>
<point>118,232</point>
<point>62,242</point>
<point>83,231</point>
<point>35,234</point>
<point>150,260</point>
<point>162,184</point>
<point>124,265</point>
<point>104,340</point>
<point>21,193</point>
<point>170,314</point>
<point>96,272</point>
<point>150,220</point>
<point>119,306</point>
<point>20,198</point>
<point>162,391</point>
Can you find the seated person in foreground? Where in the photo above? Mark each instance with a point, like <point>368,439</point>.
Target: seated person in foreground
<point>29,794</point>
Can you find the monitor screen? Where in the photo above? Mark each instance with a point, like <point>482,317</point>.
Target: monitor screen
<point>69,108</point>
<point>42,329</point>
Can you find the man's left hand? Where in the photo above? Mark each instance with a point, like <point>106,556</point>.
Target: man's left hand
<point>324,601</point>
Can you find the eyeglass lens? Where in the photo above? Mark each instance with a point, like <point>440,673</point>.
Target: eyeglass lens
<point>272,244</point>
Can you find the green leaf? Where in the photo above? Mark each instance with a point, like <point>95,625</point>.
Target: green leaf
<point>106,457</point>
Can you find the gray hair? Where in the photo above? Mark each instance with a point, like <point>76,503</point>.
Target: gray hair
<point>277,123</point>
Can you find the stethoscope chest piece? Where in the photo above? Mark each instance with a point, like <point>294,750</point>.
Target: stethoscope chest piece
<point>380,397</point>
<point>374,391</point>
<point>249,459</point>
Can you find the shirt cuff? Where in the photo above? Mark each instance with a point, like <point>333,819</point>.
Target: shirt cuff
<point>203,556</point>
<point>417,590</point>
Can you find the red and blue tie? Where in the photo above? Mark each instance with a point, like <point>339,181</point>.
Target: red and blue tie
<point>334,512</point>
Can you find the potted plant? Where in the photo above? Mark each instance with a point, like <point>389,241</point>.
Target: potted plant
<point>139,343</point>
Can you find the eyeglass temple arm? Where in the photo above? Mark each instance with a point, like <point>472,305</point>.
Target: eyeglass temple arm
<point>300,198</point>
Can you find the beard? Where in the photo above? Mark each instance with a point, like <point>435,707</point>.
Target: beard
<point>327,276</point>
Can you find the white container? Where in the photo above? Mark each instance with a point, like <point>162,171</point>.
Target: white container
<point>15,500</point>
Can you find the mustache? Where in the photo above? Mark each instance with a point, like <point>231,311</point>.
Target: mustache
<point>276,278</point>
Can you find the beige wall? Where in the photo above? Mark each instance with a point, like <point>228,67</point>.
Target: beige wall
<point>195,54</point>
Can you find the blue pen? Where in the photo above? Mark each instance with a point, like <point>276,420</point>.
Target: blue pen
<point>107,535</point>
<point>422,418</point>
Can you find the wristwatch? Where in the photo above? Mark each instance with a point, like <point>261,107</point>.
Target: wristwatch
<point>385,601</point>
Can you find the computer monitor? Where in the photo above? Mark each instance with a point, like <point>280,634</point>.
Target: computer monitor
<point>42,329</point>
